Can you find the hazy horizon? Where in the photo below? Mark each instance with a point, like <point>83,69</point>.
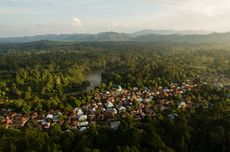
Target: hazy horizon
<point>192,32</point>
<point>29,17</point>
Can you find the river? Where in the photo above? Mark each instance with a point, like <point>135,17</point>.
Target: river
<point>94,78</point>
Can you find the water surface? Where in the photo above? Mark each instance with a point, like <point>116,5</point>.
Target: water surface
<point>94,78</point>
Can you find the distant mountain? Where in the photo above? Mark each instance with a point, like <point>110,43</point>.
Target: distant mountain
<point>105,36</point>
<point>191,32</point>
<point>168,32</point>
<point>147,31</point>
<point>141,36</point>
<point>195,38</point>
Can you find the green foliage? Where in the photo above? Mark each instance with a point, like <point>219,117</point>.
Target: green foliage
<point>53,78</point>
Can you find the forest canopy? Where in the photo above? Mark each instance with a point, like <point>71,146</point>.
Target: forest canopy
<point>45,76</point>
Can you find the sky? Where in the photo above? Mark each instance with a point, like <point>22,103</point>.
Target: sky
<point>32,17</point>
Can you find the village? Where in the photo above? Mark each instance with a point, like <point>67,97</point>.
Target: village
<point>107,107</point>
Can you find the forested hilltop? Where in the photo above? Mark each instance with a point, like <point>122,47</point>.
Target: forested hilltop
<point>153,96</point>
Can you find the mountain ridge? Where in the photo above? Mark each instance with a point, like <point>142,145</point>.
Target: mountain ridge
<point>147,35</point>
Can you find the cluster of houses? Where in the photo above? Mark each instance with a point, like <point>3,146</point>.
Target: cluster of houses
<point>109,106</point>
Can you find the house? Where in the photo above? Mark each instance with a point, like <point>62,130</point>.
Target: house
<point>79,112</point>
<point>107,92</point>
<point>166,90</point>
<point>108,104</point>
<point>128,97</point>
<point>49,116</point>
<point>82,118</point>
<point>142,114</point>
<point>9,121</point>
<point>165,94</point>
<point>91,117</point>
<point>74,125</point>
<point>23,120</point>
<point>34,115</point>
<point>47,125</point>
<point>148,99</point>
<point>13,114</point>
<point>112,111</point>
<point>83,124</point>
<point>162,108</point>
<point>43,122</point>
<point>135,88</point>
<point>121,109</point>
<point>97,97</point>
<point>103,109</point>
<point>140,99</point>
<point>111,99</point>
<point>82,129</point>
<point>99,104</point>
<point>94,105</point>
<point>55,118</point>
<point>173,116</point>
<point>93,110</point>
<point>117,87</point>
<point>182,105</point>
<point>9,110</point>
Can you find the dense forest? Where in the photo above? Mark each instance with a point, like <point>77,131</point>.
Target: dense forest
<point>41,76</point>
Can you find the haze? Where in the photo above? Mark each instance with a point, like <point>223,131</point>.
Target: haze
<point>31,17</point>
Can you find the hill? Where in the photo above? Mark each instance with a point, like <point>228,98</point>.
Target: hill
<point>140,36</point>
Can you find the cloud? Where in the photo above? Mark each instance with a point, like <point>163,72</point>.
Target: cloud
<point>40,26</point>
<point>10,11</point>
<point>17,11</point>
<point>204,7</point>
<point>114,25</point>
<point>13,0</point>
<point>118,25</point>
<point>76,22</point>
<point>190,14</point>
